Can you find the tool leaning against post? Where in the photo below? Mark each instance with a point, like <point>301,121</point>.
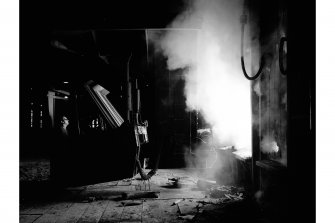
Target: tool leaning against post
<point>140,127</point>
<point>141,136</point>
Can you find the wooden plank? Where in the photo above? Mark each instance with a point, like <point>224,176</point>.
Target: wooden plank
<point>102,185</point>
<point>54,213</point>
<point>180,193</point>
<point>40,208</point>
<point>27,218</point>
<point>112,212</point>
<point>132,213</point>
<point>24,209</point>
<point>94,212</point>
<point>74,213</point>
<point>131,221</point>
<point>159,211</point>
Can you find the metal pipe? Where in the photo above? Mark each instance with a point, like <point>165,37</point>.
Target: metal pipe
<point>129,98</point>
<point>281,55</point>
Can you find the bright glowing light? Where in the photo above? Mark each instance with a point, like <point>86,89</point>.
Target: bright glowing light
<point>214,82</point>
<point>218,90</point>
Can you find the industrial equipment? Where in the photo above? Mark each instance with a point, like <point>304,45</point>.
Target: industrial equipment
<point>102,145</point>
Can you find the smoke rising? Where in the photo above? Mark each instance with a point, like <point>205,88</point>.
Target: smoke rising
<point>269,145</point>
<point>205,41</point>
<point>257,88</point>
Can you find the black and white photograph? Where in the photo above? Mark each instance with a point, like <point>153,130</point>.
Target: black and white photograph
<point>166,111</point>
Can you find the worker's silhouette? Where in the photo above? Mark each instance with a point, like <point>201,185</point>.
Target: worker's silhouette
<point>63,128</point>
<point>60,149</point>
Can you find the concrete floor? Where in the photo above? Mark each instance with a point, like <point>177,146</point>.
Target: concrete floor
<point>105,202</point>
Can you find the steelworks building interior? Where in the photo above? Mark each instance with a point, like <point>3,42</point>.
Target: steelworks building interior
<point>167,111</point>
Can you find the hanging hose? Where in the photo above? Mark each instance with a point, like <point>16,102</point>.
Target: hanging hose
<point>243,23</point>
<point>281,55</point>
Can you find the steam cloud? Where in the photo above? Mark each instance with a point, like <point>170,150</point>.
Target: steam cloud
<point>210,57</point>
<point>269,145</point>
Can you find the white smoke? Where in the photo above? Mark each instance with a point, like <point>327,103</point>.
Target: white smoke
<point>205,39</point>
<point>269,145</point>
<point>257,88</point>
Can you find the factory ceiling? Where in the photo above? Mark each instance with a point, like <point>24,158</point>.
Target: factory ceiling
<point>101,14</point>
<point>58,37</point>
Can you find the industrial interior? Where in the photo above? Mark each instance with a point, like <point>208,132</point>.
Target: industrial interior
<point>167,111</point>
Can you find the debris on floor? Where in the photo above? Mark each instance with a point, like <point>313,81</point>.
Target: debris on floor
<point>220,193</point>
<point>186,217</point>
<point>179,211</point>
<point>205,184</point>
<point>139,195</point>
<point>230,192</point>
<point>174,194</point>
<point>174,179</point>
<point>131,203</point>
<point>173,183</point>
<point>214,201</point>
<point>177,201</point>
<point>89,199</point>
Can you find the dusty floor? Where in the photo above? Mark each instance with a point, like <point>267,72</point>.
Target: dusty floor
<point>172,195</point>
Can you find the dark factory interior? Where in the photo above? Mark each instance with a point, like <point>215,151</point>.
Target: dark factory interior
<point>167,111</point>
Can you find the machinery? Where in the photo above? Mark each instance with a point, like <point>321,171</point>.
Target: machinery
<point>102,145</point>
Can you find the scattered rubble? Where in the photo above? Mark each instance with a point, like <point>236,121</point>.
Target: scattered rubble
<point>220,192</point>
<point>186,217</point>
<point>179,211</point>
<point>230,192</point>
<point>214,201</point>
<point>205,184</point>
<point>173,183</point>
<point>35,170</point>
<point>177,201</point>
<point>139,195</point>
<point>131,203</point>
<point>179,181</point>
<point>174,179</point>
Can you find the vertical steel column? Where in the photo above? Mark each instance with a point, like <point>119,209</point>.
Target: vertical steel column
<point>51,106</point>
